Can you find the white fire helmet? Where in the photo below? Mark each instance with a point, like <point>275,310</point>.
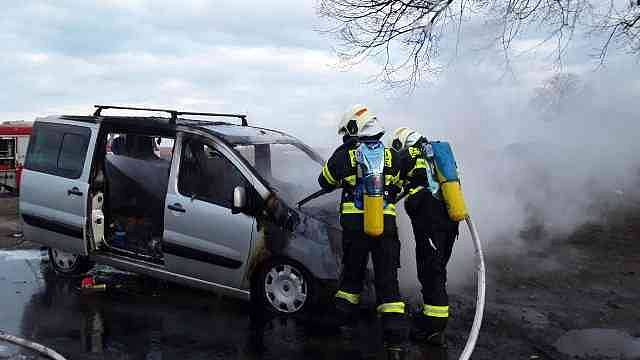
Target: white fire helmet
<point>359,121</point>
<point>404,137</point>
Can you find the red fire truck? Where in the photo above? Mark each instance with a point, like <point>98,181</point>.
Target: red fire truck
<point>14,138</point>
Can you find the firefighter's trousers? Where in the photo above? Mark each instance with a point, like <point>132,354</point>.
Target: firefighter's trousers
<point>435,234</point>
<point>385,255</point>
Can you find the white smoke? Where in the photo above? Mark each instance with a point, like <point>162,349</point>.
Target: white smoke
<point>523,166</point>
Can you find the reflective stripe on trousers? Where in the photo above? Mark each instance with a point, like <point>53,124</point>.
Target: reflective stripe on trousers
<point>436,311</point>
<point>394,307</point>
<point>350,297</point>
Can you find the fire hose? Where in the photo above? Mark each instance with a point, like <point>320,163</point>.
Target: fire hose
<point>31,345</point>
<point>482,283</point>
<point>480,274</point>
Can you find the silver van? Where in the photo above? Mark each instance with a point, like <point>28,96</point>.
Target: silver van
<point>209,204</point>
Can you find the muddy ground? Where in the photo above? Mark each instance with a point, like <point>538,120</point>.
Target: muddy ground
<point>571,295</point>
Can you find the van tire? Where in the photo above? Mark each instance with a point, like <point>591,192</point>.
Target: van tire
<point>283,286</point>
<point>67,264</point>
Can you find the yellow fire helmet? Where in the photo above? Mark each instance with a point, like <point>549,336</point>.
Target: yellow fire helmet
<point>359,121</point>
<point>404,137</point>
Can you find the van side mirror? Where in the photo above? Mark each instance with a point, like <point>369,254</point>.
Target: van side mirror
<point>239,199</point>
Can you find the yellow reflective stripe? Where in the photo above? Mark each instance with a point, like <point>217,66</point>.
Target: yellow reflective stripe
<point>327,175</point>
<point>390,210</point>
<point>350,208</point>
<point>387,157</point>
<point>436,311</point>
<point>353,157</point>
<point>388,179</point>
<point>352,298</point>
<point>415,190</point>
<point>392,179</point>
<point>414,152</point>
<point>394,307</point>
<point>420,164</point>
<point>351,180</point>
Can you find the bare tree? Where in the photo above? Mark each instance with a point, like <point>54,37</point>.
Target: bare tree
<point>381,28</point>
<point>405,34</point>
<point>558,94</point>
<point>623,26</point>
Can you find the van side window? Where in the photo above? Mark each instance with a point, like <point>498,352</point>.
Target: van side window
<point>58,149</point>
<point>72,153</point>
<point>207,175</point>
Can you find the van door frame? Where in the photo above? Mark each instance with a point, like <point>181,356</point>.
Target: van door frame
<point>63,236</point>
<point>251,180</point>
<point>124,126</point>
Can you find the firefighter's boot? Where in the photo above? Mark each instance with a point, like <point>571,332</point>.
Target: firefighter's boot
<point>395,332</point>
<point>395,352</point>
<point>345,312</point>
<point>429,329</point>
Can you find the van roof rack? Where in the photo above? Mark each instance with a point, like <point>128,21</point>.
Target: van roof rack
<point>174,113</point>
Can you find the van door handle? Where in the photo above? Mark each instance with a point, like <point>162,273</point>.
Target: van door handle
<point>74,191</point>
<point>176,207</point>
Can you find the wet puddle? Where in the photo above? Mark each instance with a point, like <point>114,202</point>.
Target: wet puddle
<point>9,255</point>
<point>600,343</point>
<point>140,318</point>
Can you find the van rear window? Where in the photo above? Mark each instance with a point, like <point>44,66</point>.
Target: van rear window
<point>58,149</point>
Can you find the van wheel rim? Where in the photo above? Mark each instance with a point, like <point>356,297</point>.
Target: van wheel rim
<point>285,288</point>
<point>64,261</point>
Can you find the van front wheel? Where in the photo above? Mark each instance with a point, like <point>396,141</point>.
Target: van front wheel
<point>69,264</point>
<point>284,286</point>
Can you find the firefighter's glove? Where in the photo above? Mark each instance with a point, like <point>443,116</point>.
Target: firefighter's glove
<point>282,215</point>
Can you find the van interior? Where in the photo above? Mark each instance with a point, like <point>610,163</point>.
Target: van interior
<point>131,174</point>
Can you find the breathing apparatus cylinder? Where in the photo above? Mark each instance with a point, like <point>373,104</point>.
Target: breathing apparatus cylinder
<point>370,186</point>
<point>447,176</point>
<point>373,214</point>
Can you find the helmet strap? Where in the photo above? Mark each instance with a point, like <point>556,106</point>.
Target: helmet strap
<point>352,127</point>
<point>396,144</point>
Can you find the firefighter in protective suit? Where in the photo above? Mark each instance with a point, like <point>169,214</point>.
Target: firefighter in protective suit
<point>434,231</point>
<point>360,125</point>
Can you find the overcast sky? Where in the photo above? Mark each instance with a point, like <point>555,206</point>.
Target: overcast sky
<point>233,56</point>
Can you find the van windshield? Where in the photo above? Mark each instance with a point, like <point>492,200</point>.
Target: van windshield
<point>290,168</point>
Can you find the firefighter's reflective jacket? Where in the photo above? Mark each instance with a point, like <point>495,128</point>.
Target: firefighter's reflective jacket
<point>340,171</point>
<point>417,173</point>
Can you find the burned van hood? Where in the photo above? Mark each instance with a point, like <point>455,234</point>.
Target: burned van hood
<point>313,238</point>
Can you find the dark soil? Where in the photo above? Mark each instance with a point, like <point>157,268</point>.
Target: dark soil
<point>587,280</point>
